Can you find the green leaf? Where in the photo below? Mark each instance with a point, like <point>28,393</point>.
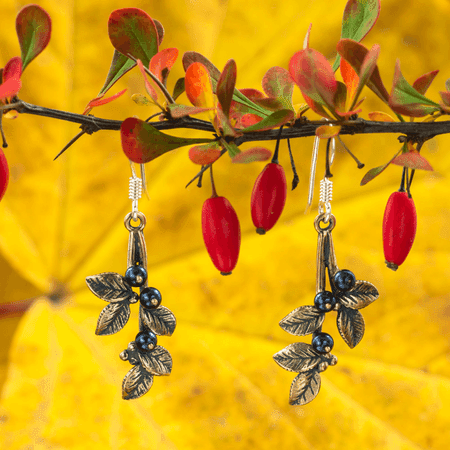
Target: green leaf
<point>179,88</point>
<point>251,155</point>
<point>372,173</point>
<point>275,120</point>
<point>359,18</point>
<point>231,147</point>
<point>34,27</point>
<point>177,111</point>
<point>226,85</point>
<point>404,99</point>
<point>277,83</point>
<point>141,142</point>
<point>133,32</point>
<point>120,65</point>
<point>192,57</point>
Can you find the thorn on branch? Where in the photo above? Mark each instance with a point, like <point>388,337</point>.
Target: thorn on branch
<point>4,144</point>
<point>296,179</point>
<point>72,141</point>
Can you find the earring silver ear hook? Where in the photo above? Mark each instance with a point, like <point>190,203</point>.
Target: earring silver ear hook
<point>134,193</point>
<point>312,172</point>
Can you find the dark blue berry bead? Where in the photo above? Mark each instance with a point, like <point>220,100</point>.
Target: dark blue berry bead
<point>322,343</point>
<point>324,301</point>
<point>344,280</point>
<point>136,276</point>
<point>146,341</point>
<point>150,298</point>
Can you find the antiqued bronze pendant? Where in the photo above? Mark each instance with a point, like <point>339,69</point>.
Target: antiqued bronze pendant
<point>143,353</point>
<point>346,296</point>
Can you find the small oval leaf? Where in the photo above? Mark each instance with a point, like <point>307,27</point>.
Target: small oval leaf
<point>205,154</point>
<point>162,62</point>
<point>276,119</point>
<point>157,361</point>
<point>303,321</point>
<point>160,320</point>
<point>34,28</point>
<point>252,155</point>
<point>110,286</point>
<point>225,86</point>
<point>412,160</point>
<point>380,116</point>
<point>277,82</point>
<point>113,318</point>
<point>298,357</point>
<point>304,388</point>
<point>328,131</point>
<point>133,32</point>
<point>136,383</point>
<point>360,296</point>
<point>351,326</point>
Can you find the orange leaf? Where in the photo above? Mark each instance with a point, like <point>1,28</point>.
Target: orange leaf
<point>148,87</point>
<point>380,116</point>
<point>205,154</point>
<point>10,88</point>
<point>198,86</point>
<point>350,78</point>
<point>99,101</point>
<point>162,62</point>
<point>328,131</point>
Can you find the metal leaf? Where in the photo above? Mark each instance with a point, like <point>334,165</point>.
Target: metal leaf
<point>302,321</point>
<point>360,296</point>
<point>110,286</point>
<point>136,383</point>
<point>298,357</point>
<point>157,361</point>
<point>113,318</point>
<point>351,327</point>
<point>304,388</point>
<point>160,320</point>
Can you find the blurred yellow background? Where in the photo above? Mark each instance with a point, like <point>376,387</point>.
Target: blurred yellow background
<point>62,221</point>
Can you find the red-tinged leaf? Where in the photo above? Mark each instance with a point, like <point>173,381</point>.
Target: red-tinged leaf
<point>328,131</point>
<point>224,123</point>
<point>34,28</point>
<point>141,142</point>
<point>412,160</point>
<point>350,78</point>
<point>162,62</point>
<point>275,120</point>
<point>354,53</point>
<point>359,18</point>
<point>12,69</point>
<point>273,104</point>
<point>372,173</point>
<point>120,65</point>
<point>177,111</point>
<point>198,86</point>
<point>445,95</point>
<point>10,88</point>
<point>306,40</point>
<point>247,120</point>
<point>379,116</point>
<point>251,155</point>
<point>159,30</point>
<point>314,76</point>
<point>404,99</point>
<point>317,107</point>
<point>368,66</point>
<point>205,154</point>
<point>277,82</point>
<point>192,57</point>
<point>252,94</point>
<point>148,87</point>
<point>179,88</point>
<point>99,101</point>
<point>225,86</point>
<point>422,83</point>
<point>340,97</point>
<point>133,32</point>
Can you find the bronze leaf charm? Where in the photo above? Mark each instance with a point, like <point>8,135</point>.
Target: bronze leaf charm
<point>298,357</point>
<point>160,320</point>
<point>136,383</point>
<point>360,296</point>
<point>303,320</point>
<point>351,326</point>
<point>304,388</point>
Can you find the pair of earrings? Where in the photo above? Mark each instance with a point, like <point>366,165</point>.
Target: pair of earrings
<point>346,295</point>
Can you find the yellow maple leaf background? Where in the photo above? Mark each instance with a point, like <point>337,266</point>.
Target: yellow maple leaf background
<point>62,221</point>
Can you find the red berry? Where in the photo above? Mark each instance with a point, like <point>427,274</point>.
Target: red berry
<point>399,228</point>
<point>221,233</point>
<point>4,174</point>
<point>268,197</point>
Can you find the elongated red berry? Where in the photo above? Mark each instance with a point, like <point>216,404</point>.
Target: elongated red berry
<point>221,233</point>
<point>268,197</point>
<point>4,174</point>
<point>399,228</point>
